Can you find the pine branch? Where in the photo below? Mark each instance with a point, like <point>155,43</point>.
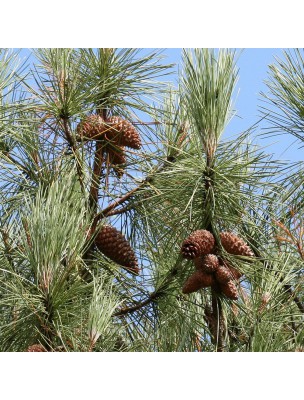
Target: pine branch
<point>27,173</point>
<point>8,249</point>
<point>153,296</point>
<point>138,306</point>
<point>109,210</point>
<point>295,298</point>
<point>217,313</point>
<point>72,145</point>
<point>96,178</point>
<point>121,210</point>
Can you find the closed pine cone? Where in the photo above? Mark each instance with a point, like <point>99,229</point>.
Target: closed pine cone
<point>117,159</point>
<point>235,245</point>
<point>123,133</point>
<point>235,272</point>
<point>223,274</point>
<point>197,281</point>
<point>90,127</point>
<point>229,289</point>
<point>114,245</point>
<point>208,263</point>
<point>36,348</point>
<point>200,242</point>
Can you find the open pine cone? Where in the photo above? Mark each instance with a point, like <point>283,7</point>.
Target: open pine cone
<point>123,133</point>
<point>90,127</point>
<point>200,242</point>
<point>114,130</point>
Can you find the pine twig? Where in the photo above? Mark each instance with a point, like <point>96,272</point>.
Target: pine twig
<point>109,209</point>
<point>72,145</point>
<point>96,178</point>
<point>152,297</point>
<point>217,313</point>
<point>138,306</point>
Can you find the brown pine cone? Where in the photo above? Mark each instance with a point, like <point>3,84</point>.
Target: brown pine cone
<point>90,127</point>
<point>235,245</point>
<point>114,245</point>
<point>235,272</point>
<point>229,289</point>
<point>223,274</point>
<point>200,242</point>
<point>117,159</point>
<point>208,263</point>
<point>196,281</point>
<point>123,133</point>
<point>35,348</point>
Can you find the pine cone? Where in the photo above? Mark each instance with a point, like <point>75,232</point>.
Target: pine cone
<point>208,263</point>
<point>114,245</point>
<point>35,348</point>
<point>235,245</point>
<point>123,133</point>
<point>200,242</point>
<point>90,127</point>
<point>229,289</point>
<point>223,274</point>
<point>117,159</point>
<point>235,272</point>
<point>196,281</point>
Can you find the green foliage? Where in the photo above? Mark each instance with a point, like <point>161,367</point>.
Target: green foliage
<point>58,290</point>
<point>208,81</point>
<point>286,94</point>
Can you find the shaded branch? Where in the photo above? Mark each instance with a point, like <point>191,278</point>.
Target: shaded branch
<point>294,297</point>
<point>217,313</point>
<point>72,144</point>
<point>138,306</point>
<point>96,177</point>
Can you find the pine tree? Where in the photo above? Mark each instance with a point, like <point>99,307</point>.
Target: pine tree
<point>129,223</point>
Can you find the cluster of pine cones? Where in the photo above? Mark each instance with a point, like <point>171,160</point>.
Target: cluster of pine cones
<point>115,133</point>
<point>115,246</point>
<point>210,269</point>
